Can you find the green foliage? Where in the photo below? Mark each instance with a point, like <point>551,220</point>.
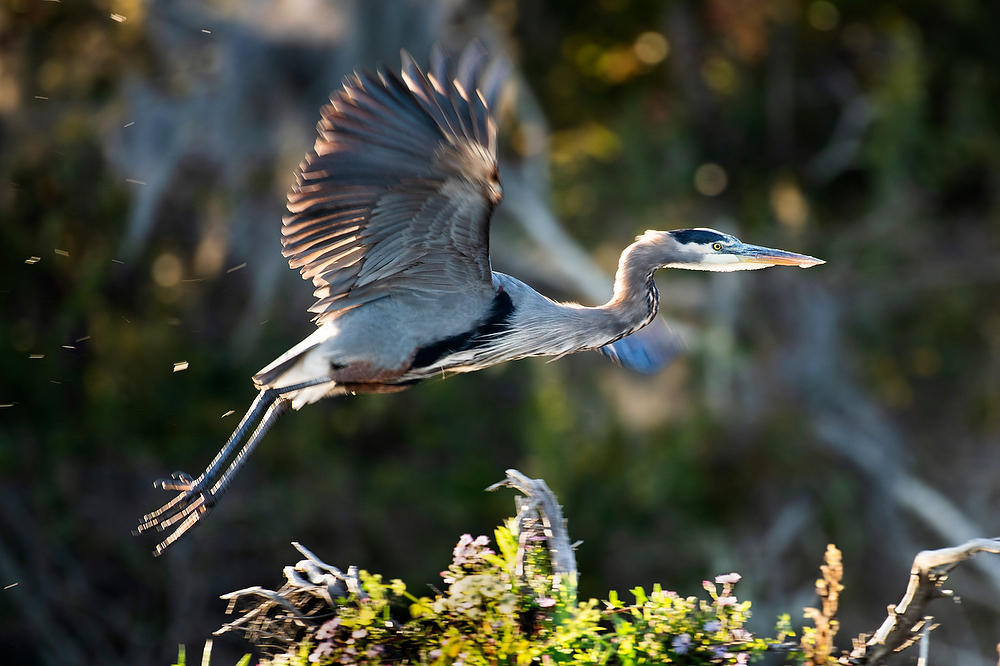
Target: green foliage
<point>499,610</point>
<point>206,656</point>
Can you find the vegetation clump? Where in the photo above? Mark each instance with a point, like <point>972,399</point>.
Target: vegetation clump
<point>502,606</point>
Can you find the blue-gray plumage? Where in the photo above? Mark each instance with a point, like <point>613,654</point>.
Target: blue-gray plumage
<point>389,218</point>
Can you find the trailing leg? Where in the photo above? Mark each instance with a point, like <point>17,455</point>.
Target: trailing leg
<point>185,485</point>
<point>196,496</point>
<point>200,499</point>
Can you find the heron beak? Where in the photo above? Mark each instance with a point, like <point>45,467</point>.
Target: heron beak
<point>754,254</point>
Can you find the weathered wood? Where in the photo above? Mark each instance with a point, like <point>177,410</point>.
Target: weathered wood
<point>906,621</point>
<point>540,504</point>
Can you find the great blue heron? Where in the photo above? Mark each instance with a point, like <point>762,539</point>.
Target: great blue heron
<point>389,217</point>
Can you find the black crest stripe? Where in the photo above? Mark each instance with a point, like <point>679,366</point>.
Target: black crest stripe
<point>686,236</point>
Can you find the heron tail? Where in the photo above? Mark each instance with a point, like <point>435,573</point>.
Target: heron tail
<point>270,375</point>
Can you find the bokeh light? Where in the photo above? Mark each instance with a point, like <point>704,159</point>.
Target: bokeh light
<point>651,48</point>
<point>710,179</point>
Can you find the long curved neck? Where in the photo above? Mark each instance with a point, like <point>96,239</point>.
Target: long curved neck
<point>633,304</point>
<point>635,300</point>
<point>554,329</point>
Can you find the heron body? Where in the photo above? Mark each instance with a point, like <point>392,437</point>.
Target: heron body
<point>389,219</point>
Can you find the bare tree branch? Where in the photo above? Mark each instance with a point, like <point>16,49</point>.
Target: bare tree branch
<point>906,622</point>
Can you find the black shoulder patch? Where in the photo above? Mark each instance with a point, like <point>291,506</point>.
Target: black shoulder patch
<point>495,322</point>
<point>702,236</point>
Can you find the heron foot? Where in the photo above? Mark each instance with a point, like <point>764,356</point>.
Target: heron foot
<point>181,513</point>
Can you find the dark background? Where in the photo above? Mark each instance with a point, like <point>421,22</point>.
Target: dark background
<point>143,160</point>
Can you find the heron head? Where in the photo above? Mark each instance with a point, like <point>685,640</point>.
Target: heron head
<point>710,250</point>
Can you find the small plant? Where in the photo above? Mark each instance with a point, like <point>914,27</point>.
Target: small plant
<point>206,656</point>
<point>817,641</point>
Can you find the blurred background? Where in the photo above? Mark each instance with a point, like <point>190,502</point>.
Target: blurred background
<point>145,149</point>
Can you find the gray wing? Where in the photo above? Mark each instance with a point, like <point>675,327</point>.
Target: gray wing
<point>398,192</point>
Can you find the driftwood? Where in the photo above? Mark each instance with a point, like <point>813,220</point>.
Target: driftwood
<point>907,622</point>
<point>539,518</point>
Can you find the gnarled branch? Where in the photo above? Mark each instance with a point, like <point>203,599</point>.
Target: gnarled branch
<point>907,619</point>
<point>538,513</point>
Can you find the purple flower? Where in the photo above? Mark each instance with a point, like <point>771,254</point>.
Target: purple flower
<point>712,626</point>
<point>719,652</point>
<point>681,643</point>
<point>322,651</point>
<point>329,629</point>
<point>470,551</point>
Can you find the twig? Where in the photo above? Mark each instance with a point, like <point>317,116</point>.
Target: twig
<point>925,642</point>
<point>271,595</point>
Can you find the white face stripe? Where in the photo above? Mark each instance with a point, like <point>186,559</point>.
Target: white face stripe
<point>728,263</point>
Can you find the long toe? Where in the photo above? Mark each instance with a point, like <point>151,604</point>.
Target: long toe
<point>188,493</point>
<point>188,517</point>
<point>178,481</point>
<point>196,506</point>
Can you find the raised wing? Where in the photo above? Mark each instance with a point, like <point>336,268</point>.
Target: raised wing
<point>398,192</point>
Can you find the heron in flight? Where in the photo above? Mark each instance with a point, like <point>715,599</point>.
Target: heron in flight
<point>389,219</point>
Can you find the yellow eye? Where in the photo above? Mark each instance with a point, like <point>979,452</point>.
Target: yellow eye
<point>716,246</point>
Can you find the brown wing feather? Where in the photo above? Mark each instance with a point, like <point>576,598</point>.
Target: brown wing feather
<point>398,191</point>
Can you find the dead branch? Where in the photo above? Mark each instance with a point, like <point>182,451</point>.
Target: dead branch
<point>538,513</point>
<point>309,593</point>
<point>906,621</point>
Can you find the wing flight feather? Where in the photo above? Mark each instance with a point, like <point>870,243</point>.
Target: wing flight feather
<point>397,194</point>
